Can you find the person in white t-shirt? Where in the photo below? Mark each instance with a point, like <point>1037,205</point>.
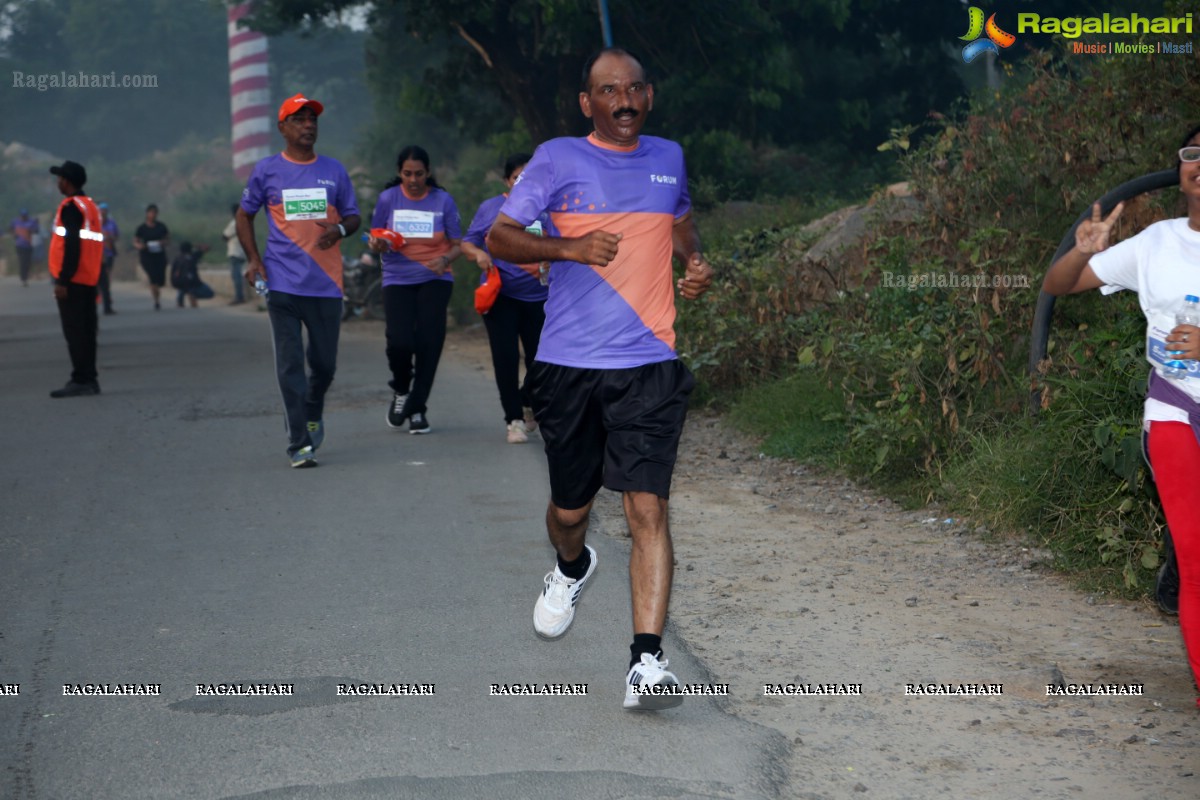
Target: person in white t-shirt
<point>236,256</point>
<point>1161,264</point>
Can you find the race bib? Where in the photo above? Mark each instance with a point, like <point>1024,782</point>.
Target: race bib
<point>302,204</point>
<point>1158,352</point>
<point>154,246</point>
<point>413,224</point>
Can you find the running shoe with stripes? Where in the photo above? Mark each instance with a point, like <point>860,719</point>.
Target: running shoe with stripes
<point>648,685</point>
<point>395,413</point>
<point>555,607</point>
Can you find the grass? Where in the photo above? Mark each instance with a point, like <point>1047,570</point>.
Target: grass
<point>800,417</point>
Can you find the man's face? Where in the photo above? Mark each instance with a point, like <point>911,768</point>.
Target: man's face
<point>65,186</point>
<point>300,129</point>
<point>618,99</point>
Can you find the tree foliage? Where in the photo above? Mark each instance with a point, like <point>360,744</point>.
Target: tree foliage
<point>736,80</point>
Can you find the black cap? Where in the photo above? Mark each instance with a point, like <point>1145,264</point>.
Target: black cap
<point>73,172</point>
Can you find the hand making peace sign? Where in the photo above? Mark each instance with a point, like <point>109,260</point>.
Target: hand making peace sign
<point>1092,234</point>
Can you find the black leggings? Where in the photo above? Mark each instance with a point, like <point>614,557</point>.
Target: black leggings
<point>416,331</point>
<point>508,321</point>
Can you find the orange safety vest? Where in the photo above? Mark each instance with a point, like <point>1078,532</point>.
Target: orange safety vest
<point>91,242</point>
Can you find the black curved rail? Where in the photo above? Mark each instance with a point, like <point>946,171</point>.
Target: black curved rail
<point>1040,335</point>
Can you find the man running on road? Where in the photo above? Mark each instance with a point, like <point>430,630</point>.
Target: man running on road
<point>609,393</point>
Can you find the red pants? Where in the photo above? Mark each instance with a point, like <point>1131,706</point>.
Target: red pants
<point>1175,457</point>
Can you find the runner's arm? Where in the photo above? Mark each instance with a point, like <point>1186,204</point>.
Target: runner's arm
<point>508,240</point>
<point>697,272</point>
<point>245,234</point>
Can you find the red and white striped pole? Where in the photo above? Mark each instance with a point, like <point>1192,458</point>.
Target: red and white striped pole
<point>249,93</point>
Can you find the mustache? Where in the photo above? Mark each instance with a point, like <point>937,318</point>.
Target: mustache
<point>626,110</point>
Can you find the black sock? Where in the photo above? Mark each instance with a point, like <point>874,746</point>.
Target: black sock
<point>644,643</point>
<point>575,569</point>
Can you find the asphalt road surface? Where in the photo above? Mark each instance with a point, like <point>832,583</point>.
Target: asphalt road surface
<point>156,535</point>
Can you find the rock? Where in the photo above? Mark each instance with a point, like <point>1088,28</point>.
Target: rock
<point>910,602</point>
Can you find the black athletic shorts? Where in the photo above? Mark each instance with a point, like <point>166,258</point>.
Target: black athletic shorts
<point>617,428</point>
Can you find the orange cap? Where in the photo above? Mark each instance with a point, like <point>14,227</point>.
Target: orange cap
<point>297,102</point>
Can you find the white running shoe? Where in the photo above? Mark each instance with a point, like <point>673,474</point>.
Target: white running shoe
<point>530,423</point>
<point>651,677</point>
<point>555,607</point>
<point>516,432</point>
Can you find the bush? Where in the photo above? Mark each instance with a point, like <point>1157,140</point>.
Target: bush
<point>934,376</point>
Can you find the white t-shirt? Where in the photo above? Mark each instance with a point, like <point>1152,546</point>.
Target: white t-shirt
<point>1161,264</point>
<point>233,247</point>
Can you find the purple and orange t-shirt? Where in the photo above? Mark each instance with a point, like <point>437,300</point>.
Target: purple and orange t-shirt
<point>298,196</point>
<point>621,315</point>
<point>518,281</point>
<point>23,231</point>
<point>427,224</point>
<point>111,232</point>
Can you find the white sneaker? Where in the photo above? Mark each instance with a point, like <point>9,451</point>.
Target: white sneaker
<point>530,423</point>
<point>516,432</point>
<point>651,676</point>
<point>555,607</point>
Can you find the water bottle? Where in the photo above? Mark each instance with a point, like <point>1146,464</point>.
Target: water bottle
<point>1188,315</point>
<point>260,287</point>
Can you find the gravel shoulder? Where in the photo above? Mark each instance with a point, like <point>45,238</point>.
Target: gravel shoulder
<point>786,575</point>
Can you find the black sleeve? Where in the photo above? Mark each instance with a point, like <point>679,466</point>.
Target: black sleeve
<point>72,221</point>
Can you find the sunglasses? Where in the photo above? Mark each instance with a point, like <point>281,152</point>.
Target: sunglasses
<point>1189,155</point>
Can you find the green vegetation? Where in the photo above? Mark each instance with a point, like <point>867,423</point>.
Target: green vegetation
<point>932,380</point>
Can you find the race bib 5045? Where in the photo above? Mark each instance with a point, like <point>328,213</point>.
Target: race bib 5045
<point>301,204</point>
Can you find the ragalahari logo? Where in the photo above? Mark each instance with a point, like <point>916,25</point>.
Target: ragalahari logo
<point>996,38</point>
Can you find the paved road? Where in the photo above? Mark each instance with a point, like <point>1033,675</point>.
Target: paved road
<point>155,535</point>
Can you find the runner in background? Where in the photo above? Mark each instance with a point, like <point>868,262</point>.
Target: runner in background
<point>518,313</point>
<point>310,209</point>
<point>417,282</point>
<point>151,239</point>
<point>111,234</point>
<point>24,228</point>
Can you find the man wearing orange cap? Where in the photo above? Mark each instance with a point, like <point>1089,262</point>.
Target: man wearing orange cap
<point>311,207</point>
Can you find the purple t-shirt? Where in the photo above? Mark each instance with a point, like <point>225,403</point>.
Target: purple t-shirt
<point>427,224</point>
<point>623,314</point>
<point>111,232</point>
<point>297,197</point>
<point>23,231</point>
<point>518,281</point>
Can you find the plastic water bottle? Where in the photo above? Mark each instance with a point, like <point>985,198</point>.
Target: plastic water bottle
<point>1188,315</point>
<point>260,287</point>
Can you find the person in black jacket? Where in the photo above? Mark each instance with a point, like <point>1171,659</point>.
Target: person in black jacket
<point>76,249</point>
